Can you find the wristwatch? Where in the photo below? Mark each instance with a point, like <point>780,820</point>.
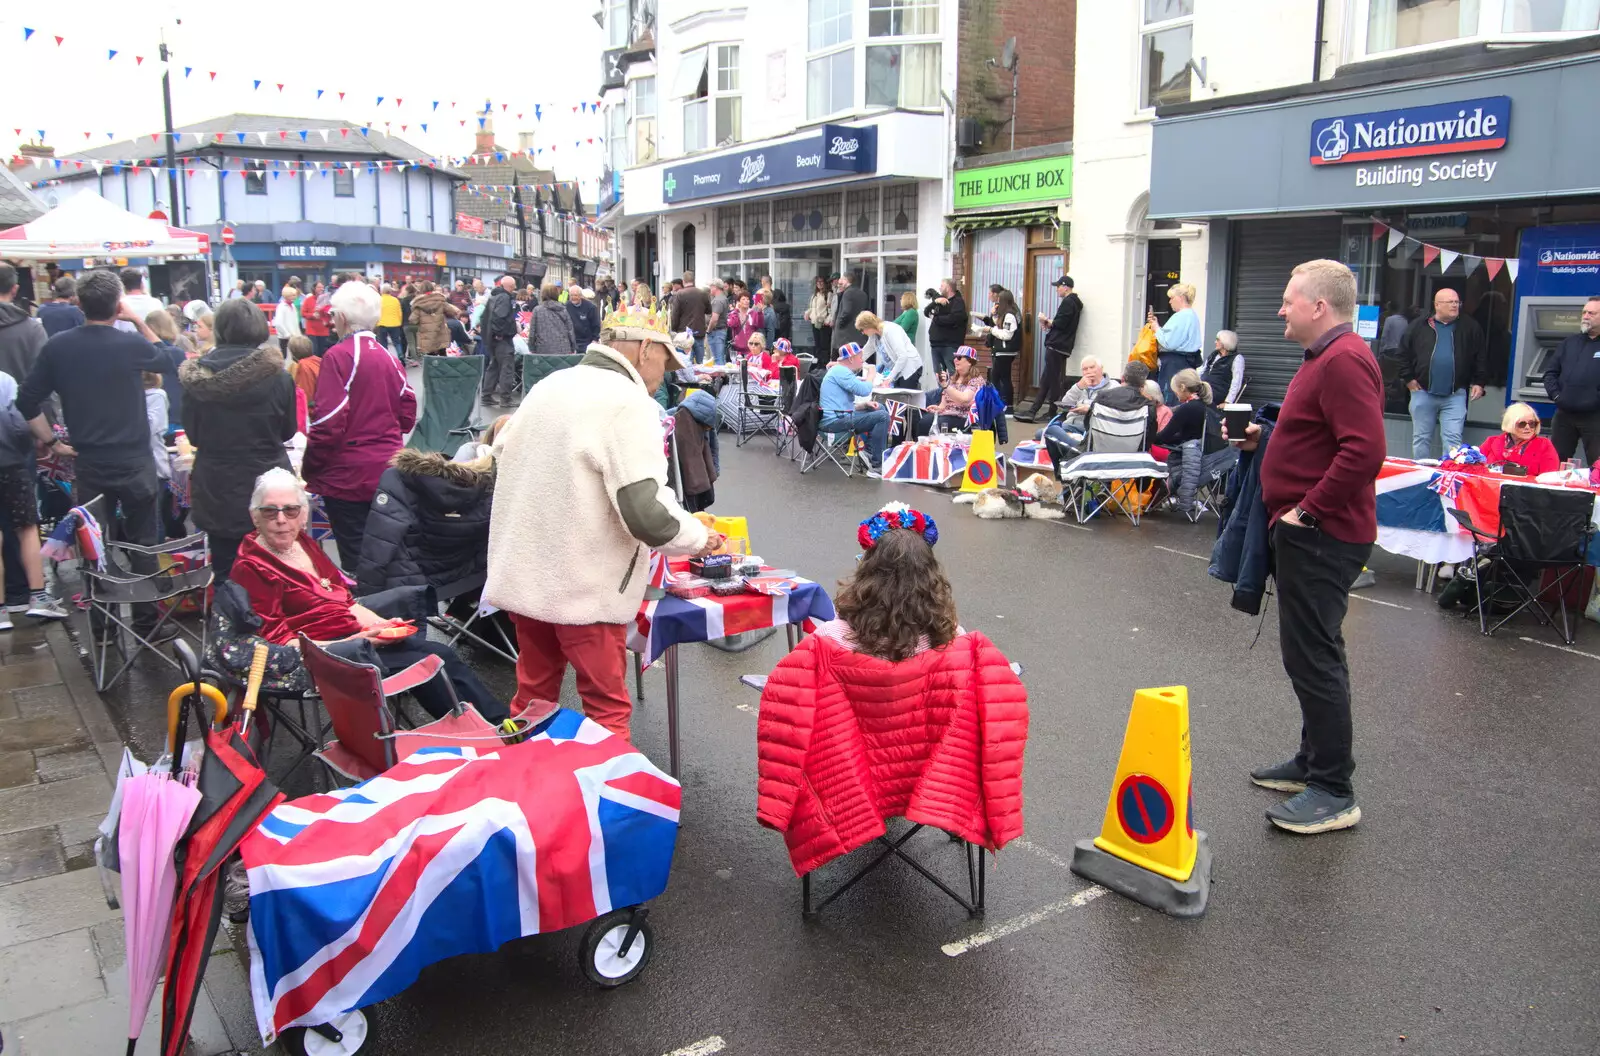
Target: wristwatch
<point>1308,519</point>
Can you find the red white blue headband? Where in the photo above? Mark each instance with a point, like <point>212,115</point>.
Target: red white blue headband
<point>896,516</point>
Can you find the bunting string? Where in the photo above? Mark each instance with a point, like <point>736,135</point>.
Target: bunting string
<point>1396,239</point>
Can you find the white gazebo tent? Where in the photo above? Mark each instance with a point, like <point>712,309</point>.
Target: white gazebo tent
<point>86,225</point>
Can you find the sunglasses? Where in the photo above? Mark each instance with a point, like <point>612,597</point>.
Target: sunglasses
<point>274,512</point>
<point>1532,423</point>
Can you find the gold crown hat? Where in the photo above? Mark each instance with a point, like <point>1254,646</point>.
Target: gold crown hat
<point>646,324</point>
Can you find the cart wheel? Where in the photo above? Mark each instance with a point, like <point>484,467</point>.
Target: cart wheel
<point>603,960</point>
<point>357,1030</point>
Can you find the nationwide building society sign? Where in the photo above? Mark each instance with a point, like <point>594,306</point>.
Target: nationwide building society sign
<point>1393,138</point>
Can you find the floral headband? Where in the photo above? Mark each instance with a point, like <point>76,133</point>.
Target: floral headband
<point>896,515</point>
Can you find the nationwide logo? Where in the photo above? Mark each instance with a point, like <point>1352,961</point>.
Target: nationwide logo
<point>1417,131</point>
<point>1561,258</point>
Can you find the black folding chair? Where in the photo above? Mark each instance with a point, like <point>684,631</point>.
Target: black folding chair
<point>136,578</point>
<point>1541,549</point>
<point>758,411</point>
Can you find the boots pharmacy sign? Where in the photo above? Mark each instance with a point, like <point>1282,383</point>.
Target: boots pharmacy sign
<point>1413,132</point>
<point>838,150</point>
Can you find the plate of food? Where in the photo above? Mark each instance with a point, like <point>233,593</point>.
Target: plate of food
<point>397,632</point>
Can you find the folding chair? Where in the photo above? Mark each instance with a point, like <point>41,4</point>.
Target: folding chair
<point>449,396</point>
<point>110,586</point>
<point>757,407</point>
<point>845,450</point>
<point>1544,532</point>
<point>788,435</point>
<point>484,626</point>
<point>1108,474</point>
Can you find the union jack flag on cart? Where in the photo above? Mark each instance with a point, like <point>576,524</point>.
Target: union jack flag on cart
<point>925,462</point>
<point>454,850</point>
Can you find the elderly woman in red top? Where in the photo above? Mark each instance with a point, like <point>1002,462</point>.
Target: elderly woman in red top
<point>892,710</point>
<point>1519,441</point>
<point>296,589</point>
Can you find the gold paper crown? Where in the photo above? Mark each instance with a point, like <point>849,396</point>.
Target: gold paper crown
<point>645,324</point>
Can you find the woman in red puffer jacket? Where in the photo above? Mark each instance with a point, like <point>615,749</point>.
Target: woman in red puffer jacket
<point>892,710</point>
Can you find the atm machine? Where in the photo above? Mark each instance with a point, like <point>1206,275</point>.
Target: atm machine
<point>1558,271</point>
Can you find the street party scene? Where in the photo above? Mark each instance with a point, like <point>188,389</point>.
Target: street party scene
<point>509,562</point>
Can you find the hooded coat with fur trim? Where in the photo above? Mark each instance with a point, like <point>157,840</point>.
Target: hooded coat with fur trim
<point>428,314</point>
<point>429,526</point>
<point>238,410</point>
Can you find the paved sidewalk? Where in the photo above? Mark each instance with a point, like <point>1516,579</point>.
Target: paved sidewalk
<point>63,982</point>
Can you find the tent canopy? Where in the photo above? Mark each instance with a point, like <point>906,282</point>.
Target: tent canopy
<point>86,225</point>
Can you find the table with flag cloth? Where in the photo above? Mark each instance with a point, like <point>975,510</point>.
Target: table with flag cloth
<point>1413,498</point>
<point>664,624</point>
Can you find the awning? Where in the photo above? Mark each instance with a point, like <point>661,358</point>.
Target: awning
<point>1012,218</point>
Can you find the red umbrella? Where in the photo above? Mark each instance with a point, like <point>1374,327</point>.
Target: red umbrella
<point>234,796</point>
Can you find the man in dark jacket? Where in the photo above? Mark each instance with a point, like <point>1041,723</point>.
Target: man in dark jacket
<point>947,326</point>
<point>1440,356</point>
<point>1573,382</point>
<point>1058,345</point>
<point>21,335</point>
<point>499,326</point>
<point>691,311</point>
<point>852,302</point>
<point>585,318</point>
<point>62,313</point>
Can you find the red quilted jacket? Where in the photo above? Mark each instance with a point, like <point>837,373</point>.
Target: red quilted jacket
<point>846,741</point>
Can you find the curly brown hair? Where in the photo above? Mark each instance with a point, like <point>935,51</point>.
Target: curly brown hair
<point>898,595</point>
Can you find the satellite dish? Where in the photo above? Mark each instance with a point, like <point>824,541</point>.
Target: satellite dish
<point>1008,57</point>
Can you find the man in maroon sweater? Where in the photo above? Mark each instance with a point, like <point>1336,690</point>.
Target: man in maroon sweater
<point>1317,484</point>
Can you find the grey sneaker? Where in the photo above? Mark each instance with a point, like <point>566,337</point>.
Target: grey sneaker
<point>1284,777</point>
<point>48,609</point>
<point>1364,580</point>
<point>1315,810</point>
<point>874,474</point>
<point>21,607</point>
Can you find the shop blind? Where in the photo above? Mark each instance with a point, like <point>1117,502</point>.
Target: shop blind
<point>1264,253</point>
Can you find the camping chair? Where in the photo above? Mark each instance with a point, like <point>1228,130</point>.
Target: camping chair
<point>759,410</point>
<point>1109,473</point>
<point>109,586</point>
<point>1543,532</point>
<point>845,450</point>
<point>484,626</point>
<point>449,396</point>
<point>788,440</point>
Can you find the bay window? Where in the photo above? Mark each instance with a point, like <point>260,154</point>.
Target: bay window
<point>618,23</point>
<point>1394,25</point>
<point>903,73</point>
<point>642,115</point>
<point>831,65</point>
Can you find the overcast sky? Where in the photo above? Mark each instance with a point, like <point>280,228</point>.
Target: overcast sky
<point>413,52</point>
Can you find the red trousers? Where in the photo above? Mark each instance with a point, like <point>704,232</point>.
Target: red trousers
<point>597,651</point>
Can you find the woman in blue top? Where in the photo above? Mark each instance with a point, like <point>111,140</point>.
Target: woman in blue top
<point>1178,339</point>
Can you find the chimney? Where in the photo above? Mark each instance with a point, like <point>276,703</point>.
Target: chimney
<point>32,154</point>
<point>484,143</point>
<point>524,141</point>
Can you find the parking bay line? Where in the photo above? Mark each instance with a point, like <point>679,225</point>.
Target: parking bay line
<point>1027,920</point>
<point>1183,553</point>
<point>1376,601</point>
<point>1563,648</point>
<point>703,1047</point>
<point>1069,524</point>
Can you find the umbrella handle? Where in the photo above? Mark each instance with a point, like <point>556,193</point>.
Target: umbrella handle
<point>258,671</point>
<point>175,699</point>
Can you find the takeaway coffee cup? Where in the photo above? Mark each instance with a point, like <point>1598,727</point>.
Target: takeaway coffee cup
<point>1237,418</point>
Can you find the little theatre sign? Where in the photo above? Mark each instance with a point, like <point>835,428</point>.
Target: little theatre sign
<point>1016,183</point>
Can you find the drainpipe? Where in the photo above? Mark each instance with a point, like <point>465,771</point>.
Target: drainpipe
<point>1316,57</point>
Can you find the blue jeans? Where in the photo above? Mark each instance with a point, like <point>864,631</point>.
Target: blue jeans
<point>944,357</point>
<point>874,425</point>
<point>717,340</point>
<point>1432,414</point>
<point>699,349</point>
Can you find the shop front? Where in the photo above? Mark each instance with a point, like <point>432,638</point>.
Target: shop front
<point>275,253</point>
<point>1484,183</point>
<point>1011,218</point>
<point>861,203</point>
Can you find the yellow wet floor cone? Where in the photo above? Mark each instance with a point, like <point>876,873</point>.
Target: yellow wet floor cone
<point>981,471</point>
<point>1148,848</point>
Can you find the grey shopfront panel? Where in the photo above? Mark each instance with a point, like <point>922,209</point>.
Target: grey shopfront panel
<point>1259,159</point>
<point>1263,253</point>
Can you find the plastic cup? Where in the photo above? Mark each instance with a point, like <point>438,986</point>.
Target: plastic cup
<point>1237,417</point>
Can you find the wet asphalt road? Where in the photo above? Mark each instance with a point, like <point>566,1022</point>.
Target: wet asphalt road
<point>1461,916</point>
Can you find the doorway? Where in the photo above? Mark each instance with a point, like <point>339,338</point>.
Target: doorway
<point>795,271</point>
<point>686,240</point>
<point>1162,261</point>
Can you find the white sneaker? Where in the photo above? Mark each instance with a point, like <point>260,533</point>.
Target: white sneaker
<point>874,474</point>
<point>5,621</point>
<point>17,608</point>
<point>48,609</point>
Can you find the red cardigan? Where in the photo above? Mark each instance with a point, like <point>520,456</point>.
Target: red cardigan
<point>289,601</point>
<point>847,740</point>
<point>1536,455</point>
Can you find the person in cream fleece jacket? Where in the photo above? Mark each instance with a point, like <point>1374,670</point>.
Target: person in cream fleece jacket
<point>580,500</point>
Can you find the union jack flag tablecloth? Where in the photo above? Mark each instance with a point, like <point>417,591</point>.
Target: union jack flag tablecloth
<point>1413,498</point>
<point>676,621</point>
<point>1032,455</point>
<point>927,461</point>
<point>453,851</point>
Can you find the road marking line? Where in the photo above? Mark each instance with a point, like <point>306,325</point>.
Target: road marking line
<point>1184,553</point>
<point>1043,852</point>
<point>1027,920</point>
<point>1375,601</point>
<point>1563,648</point>
<point>703,1047</point>
<point>1068,524</point>
<point>746,708</point>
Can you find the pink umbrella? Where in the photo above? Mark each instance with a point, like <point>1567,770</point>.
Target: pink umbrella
<point>155,812</point>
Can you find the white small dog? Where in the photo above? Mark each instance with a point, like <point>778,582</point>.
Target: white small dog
<point>1038,497</point>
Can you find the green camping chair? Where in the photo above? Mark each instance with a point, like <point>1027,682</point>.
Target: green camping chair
<point>535,368</point>
<point>449,394</point>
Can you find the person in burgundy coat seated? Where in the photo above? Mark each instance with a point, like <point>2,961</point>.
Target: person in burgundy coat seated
<point>295,588</point>
<point>1519,441</point>
<point>365,408</point>
<point>891,710</point>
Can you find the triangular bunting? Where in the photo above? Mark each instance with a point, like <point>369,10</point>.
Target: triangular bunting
<point>26,33</point>
<point>319,93</point>
<point>1511,268</point>
<point>1447,257</point>
<point>1395,238</point>
<point>187,70</point>
<point>1378,228</point>
<point>1429,254</point>
<point>1470,263</point>
<point>1494,264</point>
<point>257,85</point>
<point>138,60</point>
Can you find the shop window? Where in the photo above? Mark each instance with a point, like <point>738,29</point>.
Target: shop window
<point>898,18</point>
<point>831,68</point>
<point>1166,43</point>
<point>255,177</point>
<point>904,75</point>
<point>861,212</point>
<point>1551,16</point>
<point>757,224</point>
<point>1395,24</point>
<point>727,225</point>
<point>812,218</point>
<point>344,183</point>
<point>900,209</point>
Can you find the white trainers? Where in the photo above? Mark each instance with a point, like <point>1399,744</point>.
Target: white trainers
<point>48,609</point>
<point>5,621</point>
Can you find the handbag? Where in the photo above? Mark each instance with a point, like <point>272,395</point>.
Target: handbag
<point>1145,350</point>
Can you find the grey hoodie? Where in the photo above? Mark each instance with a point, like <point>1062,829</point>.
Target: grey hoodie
<point>21,338</point>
